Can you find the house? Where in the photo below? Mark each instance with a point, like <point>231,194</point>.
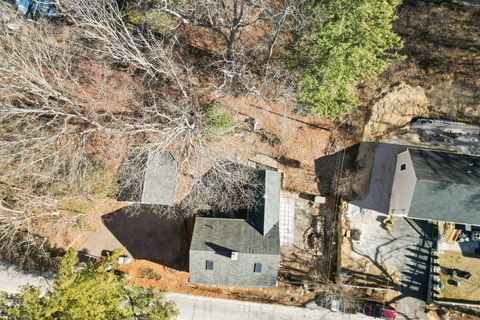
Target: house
<point>436,186</point>
<point>149,178</point>
<point>239,252</point>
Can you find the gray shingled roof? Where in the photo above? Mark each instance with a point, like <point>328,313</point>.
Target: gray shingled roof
<point>446,166</point>
<point>226,234</point>
<point>447,188</point>
<point>160,179</point>
<point>266,214</point>
<point>257,235</point>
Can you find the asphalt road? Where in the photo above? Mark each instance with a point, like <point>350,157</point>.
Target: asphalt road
<point>11,278</point>
<point>204,308</point>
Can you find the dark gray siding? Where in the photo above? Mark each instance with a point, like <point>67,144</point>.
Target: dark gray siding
<point>228,272</point>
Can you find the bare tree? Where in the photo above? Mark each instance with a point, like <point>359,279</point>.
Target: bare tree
<point>237,36</point>
<point>54,121</point>
<point>347,183</point>
<point>21,215</point>
<point>103,23</point>
<point>60,117</point>
<point>226,188</point>
<point>227,19</point>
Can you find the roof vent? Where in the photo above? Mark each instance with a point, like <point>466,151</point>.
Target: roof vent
<point>234,255</point>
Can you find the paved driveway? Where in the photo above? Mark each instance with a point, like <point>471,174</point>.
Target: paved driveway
<point>404,250</point>
<point>381,177</point>
<point>406,247</point>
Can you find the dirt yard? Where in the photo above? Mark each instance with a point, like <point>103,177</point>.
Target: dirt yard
<point>87,221</point>
<point>147,273</point>
<point>301,140</point>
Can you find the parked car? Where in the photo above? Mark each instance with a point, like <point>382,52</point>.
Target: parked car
<point>379,311</point>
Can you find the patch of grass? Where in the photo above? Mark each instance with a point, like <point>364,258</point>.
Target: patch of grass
<point>60,188</point>
<point>469,290</point>
<point>157,20</point>
<point>147,273</point>
<point>76,205</point>
<point>100,183</point>
<point>219,120</point>
<point>103,184</point>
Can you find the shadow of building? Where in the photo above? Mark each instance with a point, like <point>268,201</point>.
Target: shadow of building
<point>154,233</point>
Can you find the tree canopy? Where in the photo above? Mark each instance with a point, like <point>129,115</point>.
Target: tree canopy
<point>352,40</point>
<point>96,292</point>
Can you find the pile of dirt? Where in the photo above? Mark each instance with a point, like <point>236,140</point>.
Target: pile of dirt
<point>394,109</point>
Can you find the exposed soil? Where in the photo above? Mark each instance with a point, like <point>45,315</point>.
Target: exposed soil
<point>442,63</point>
<point>302,140</point>
<point>438,77</point>
<point>176,281</point>
<point>394,109</point>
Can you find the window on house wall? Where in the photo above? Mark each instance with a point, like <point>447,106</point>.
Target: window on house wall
<point>209,265</point>
<point>257,267</point>
<point>403,167</point>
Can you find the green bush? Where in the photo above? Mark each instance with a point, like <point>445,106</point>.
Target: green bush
<point>351,41</point>
<point>147,273</point>
<point>218,120</point>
